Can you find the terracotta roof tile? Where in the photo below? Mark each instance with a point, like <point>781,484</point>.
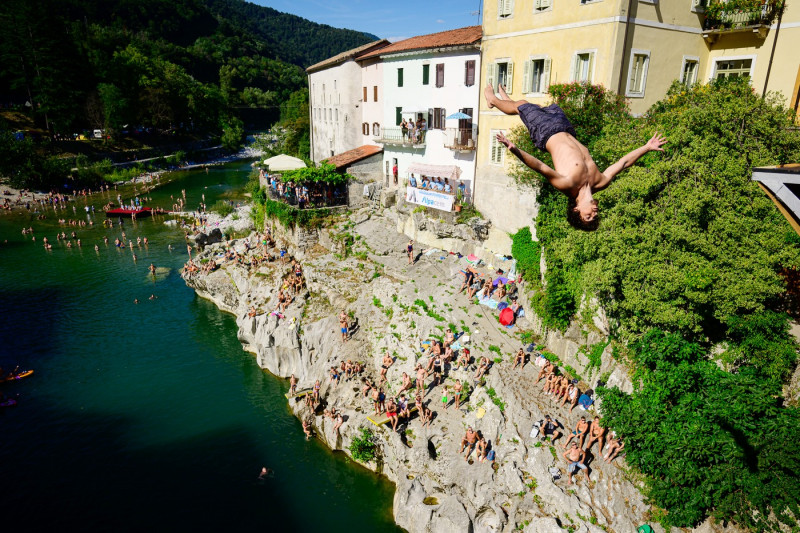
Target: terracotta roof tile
<point>351,156</point>
<point>461,36</point>
<point>349,54</point>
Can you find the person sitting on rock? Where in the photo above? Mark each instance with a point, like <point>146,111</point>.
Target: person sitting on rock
<point>546,370</point>
<point>571,396</point>
<point>391,412</point>
<point>469,441</point>
<point>481,449</point>
<point>615,445</point>
<point>407,384</point>
<point>519,359</point>
<point>402,407</point>
<point>579,433</point>
<point>597,433</point>
<point>551,428</point>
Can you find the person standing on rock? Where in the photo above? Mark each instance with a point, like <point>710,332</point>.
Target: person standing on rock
<point>391,412</point>
<point>343,325</point>
<point>316,391</point>
<point>292,385</point>
<point>596,433</point>
<point>410,251</point>
<point>575,457</point>
<point>421,375</point>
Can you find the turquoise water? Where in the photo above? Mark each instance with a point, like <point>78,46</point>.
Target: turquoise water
<point>151,415</point>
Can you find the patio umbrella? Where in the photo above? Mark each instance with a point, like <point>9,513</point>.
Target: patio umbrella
<point>506,316</point>
<point>458,116</point>
<point>283,162</point>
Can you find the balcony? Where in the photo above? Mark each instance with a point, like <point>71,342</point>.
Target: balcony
<point>729,16</point>
<point>461,139</point>
<point>396,137</point>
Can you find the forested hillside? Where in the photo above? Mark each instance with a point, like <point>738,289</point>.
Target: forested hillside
<point>188,64</point>
<point>291,38</point>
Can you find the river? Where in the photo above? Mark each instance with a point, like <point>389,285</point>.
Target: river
<point>150,416</point>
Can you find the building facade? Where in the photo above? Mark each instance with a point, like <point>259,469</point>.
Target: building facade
<point>335,103</point>
<point>637,48</point>
<point>427,79</point>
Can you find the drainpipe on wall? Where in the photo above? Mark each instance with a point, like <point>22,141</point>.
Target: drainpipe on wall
<point>774,45</point>
<point>622,75</point>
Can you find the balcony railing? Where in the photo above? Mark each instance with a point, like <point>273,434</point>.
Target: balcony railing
<point>397,137</point>
<point>740,15</point>
<point>461,139</point>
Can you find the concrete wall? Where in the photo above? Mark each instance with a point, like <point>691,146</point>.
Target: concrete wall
<point>371,108</point>
<point>334,97</point>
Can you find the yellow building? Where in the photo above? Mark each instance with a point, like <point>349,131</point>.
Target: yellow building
<point>634,47</point>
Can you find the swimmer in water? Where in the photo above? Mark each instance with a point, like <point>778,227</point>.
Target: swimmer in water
<point>265,473</point>
<point>153,296</point>
<point>136,300</point>
<point>152,268</point>
<point>134,258</point>
<point>96,248</point>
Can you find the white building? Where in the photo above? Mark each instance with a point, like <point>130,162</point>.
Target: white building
<point>430,77</point>
<point>335,102</point>
<point>371,99</point>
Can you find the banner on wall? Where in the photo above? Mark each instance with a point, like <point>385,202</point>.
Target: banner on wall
<point>436,200</point>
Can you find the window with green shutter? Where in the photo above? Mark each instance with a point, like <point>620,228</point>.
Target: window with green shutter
<point>398,115</point>
<point>399,77</point>
<point>426,74</point>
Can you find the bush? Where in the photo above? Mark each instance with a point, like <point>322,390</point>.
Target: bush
<point>363,447</point>
<point>222,207</point>
<point>527,253</point>
<point>710,442</point>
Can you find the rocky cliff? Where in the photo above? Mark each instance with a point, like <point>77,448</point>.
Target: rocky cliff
<point>395,307</point>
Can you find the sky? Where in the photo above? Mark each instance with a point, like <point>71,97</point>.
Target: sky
<point>389,19</point>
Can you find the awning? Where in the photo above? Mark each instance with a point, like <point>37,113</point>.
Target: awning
<point>435,171</point>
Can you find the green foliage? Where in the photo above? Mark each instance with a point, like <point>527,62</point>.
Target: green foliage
<point>761,340</point>
<point>527,253</point>
<point>232,133</point>
<point>222,207</point>
<point>687,241</point>
<point>467,213</point>
<point>595,354</point>
<point>710,442</point>
<point>377,302</point>
<point>324,173</point>
<point>363,447</point>
<point>492,394</point>
<point>288,215</point>
<point>495,349</point>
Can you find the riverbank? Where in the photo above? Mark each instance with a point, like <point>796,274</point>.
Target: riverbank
<point>358,265</point>
<point>151,413</point>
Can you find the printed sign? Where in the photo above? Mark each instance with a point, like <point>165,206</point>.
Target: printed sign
<point>436,200</point>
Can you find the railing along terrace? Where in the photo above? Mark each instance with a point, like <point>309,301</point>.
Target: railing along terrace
<point>461,138</point>
<point>736,14</point>
<point>396,136</point>
<point>318,196</point>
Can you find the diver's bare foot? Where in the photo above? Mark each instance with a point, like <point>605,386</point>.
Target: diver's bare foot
<point>490,97</point>
<point>503,93</point>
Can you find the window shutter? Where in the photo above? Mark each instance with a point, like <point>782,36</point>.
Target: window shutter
<point>500,7</point>
<point>365,95</point>
<point>469,76</point>
<point>491,75</point>
<point>399,77</point>
<point>509,7</point>
<point>398,115</point>
<point>430,118</point>
<point>442,120</point>
<point>426,74</point>
<point>544,4</point>
<point>573,70</point>
<point>510,77</point>
<point>526,77</point>
<point>440,74</point>
<point>591,68</point>
<point>375,92</point>
<point>546,76</point>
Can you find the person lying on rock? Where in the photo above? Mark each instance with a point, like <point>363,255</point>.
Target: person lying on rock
<point>575,173</point>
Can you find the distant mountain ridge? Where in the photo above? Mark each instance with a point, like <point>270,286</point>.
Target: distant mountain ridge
<point>292,38</point>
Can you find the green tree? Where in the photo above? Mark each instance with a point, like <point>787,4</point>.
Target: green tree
<point>232,133</point>
<point>710,442</point>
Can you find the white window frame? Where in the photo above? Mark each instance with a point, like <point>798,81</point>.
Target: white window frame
<point>628,90</point>
<point>542,6</point>
<point>492,75</point>
<point>501,5</point>
<point>697,6</point>
<point>592,62</point>
<point>714,60</point>
<point>527,77</point>
<point>685,60</point>
<point>493,142</point>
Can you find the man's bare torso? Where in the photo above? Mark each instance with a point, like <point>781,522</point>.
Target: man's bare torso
<point>571,159</point>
